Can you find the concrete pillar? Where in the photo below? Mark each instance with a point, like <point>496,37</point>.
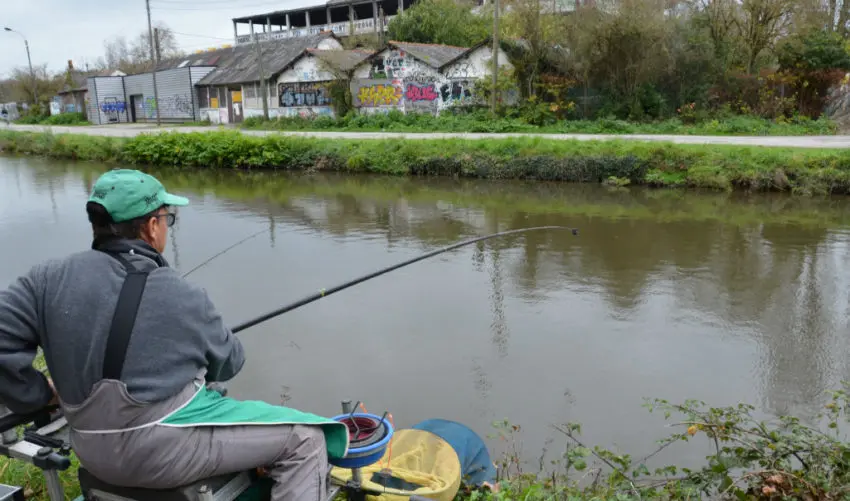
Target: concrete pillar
<point>251,27</point>
<point>307,17</point>
<point>235,33</point>
<point>268,25</point>
<point>328,13</point>
<point>288,24</point>
<point>375,14</point>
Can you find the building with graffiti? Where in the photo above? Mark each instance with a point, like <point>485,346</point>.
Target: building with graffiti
<point>224,86</point>
<point>131,98</point>
<point>233,91</point>
<point>303,88</point>
<point>74,96</point>
<point>422,78</point>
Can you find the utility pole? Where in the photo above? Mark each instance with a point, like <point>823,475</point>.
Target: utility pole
<point>32,73</point>
<point>155,63</point>
<point>495,55</point>
<point>263,88</point>
<point>156,44</point>
<point>29,60</point>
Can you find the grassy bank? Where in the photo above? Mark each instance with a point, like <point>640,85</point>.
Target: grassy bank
<point>620,163</point>
<point>751,459</point>
<point>480,122</point>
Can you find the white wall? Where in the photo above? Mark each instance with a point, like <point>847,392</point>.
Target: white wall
<point>329,44</point>
<point>396,65</point>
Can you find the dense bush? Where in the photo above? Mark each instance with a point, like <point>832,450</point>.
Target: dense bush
<point>60,119</point>
<point>66,119</point>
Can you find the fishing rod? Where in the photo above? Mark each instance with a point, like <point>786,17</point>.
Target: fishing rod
<point>327,292</point>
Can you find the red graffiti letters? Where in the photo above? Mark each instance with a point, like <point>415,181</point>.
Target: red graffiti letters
<point>421,93</point>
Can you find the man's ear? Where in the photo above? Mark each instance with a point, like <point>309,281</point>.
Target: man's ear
<point>148,228</point>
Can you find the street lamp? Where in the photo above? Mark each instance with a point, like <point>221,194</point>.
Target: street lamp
<point>32,73</point>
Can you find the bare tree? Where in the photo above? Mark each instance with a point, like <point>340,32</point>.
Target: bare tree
<point>21,88</point>
<point>134,56</point>
<point>720,18</point>
<point>761,23</point>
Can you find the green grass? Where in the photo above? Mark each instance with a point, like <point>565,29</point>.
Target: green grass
<point>480,122</point>
<point>656,164</point>
<point>60,119</point>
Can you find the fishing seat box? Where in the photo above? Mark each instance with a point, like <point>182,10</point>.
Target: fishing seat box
<point>230,487</point>
<point>9,493</point>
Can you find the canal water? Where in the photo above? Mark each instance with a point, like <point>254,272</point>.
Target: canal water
<point>721,297</point>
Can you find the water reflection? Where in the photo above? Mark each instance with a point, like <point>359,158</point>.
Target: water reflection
<point>723,297</point>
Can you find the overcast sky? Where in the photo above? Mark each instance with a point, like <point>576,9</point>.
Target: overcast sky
<point>59,30</point>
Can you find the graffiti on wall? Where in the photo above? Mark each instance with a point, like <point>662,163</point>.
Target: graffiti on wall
<point>112,108</point>
<point>461,69</point>
<point>394,65</point>
<point>456,92</point>
<point>397,64</point>
<point>310,113</point>
<point>303,94</point>
<point>150,107</point>
<point>175,104</point>
<point>168,105</point>
<point>421,92</point>
<point>422,96</point>
<point>372,93</point>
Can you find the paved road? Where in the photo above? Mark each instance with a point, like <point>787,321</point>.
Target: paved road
<point>129,130</point>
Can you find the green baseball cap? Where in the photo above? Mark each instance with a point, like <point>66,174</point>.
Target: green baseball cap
<point>127,194</point>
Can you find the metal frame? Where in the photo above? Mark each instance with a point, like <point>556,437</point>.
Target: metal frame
<point>41,456</point>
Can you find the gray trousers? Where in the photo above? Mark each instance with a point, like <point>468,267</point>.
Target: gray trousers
<point>165,457</point>
<point>296,457</point>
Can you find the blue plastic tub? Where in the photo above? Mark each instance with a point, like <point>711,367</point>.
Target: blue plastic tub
<point>359,457</point>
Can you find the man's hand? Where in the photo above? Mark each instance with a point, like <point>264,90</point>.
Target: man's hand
<point>55,399</point>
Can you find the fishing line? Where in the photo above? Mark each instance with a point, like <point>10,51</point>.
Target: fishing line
<point>249,237</point>
<point>327,292</point>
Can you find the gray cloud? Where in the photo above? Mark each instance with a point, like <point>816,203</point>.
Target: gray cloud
<point>59,30</point>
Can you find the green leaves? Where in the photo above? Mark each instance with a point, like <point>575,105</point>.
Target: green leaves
<point>439,22</point>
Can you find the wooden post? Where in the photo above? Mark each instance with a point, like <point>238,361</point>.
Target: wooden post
<point>155,64</point>
<point>262,77</point>
<point>495,55</point>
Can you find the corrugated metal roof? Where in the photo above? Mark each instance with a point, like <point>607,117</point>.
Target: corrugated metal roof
<point>433,55</point>
<point>207,58</point>
<point>241,64</point>
<point>343,60</point>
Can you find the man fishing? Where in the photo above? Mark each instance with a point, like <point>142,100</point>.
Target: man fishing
<point>130,346</point>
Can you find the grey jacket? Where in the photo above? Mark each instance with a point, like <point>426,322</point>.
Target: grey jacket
<point>66,307</point>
